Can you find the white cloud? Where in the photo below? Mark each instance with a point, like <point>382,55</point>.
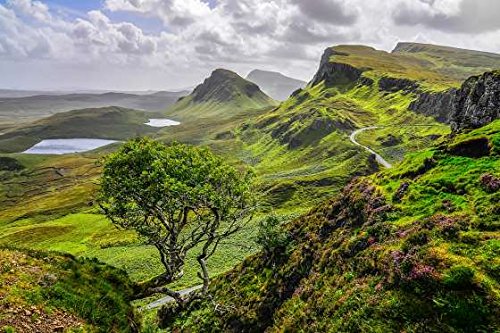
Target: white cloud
<point>108,47</point>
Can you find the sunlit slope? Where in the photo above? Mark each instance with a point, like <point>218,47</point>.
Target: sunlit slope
<point>414,248</point>
<point>452,62</point>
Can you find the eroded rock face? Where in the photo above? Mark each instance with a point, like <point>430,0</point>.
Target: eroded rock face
<point>437,105</point>
<point>391,84</point>
<point>477,103</point>
<point>334,73</point>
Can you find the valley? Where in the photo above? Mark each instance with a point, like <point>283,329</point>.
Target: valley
<point>363,165</point>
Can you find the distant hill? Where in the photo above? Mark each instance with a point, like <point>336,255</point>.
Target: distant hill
<point>99,123</point>
<point>275,84</point>
<point>223,94</point>
<point>454,62</point>
<point>15,110</point>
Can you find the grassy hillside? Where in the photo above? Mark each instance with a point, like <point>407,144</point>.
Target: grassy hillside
<point>453,62</point>
<point>25,109</point>
<point>300,151</point>
<point>222,95</point>
<point>46,292</point>
<point>415,248</point>
<point>102,123</point>
<point>47,204</point>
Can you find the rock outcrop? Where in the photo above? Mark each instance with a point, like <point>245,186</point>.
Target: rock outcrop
<point>477,103</point>
<point>335,73</point>
<point>391,84</point>
<point>437,105</point>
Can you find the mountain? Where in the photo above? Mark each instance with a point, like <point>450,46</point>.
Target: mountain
<point>221,95</point>
<point>277,85</point>
<point>99,123</point>
<point>25,109</point>
<point>407,248</point>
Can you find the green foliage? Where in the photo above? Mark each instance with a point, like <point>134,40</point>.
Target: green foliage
<point>176,197</point>
<point>459,277</point>
<point>364,262</point>
<point>272,236</point>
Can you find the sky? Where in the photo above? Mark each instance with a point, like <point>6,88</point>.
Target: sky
<point>173,44</point>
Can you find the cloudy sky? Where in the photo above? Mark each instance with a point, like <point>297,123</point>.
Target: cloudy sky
<point>172,44</point>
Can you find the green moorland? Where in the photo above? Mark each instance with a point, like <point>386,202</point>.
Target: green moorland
<point>459,64</point>
<point>415,248</point>
<point>300,151</point>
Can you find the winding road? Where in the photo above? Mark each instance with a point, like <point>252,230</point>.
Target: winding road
<point>379,158</point>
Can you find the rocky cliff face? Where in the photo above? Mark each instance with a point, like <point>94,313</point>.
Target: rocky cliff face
<point>334,73</point>
<point>477,103</point>
<point>391,84</point>
<point>437,105</point>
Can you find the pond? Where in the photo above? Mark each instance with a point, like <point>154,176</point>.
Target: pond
<point>162,122</point>
<point>67,146</point>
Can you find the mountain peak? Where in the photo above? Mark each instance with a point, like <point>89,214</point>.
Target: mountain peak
<point>223,86</point>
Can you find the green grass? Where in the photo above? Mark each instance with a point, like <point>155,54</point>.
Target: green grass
<point>375,259</point>
<point>301,153</point>
<point>46,291</point>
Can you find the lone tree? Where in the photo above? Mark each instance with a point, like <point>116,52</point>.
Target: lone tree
<point>180,199</point>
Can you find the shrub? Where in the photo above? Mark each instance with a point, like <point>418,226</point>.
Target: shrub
<point>272,236</point>
<point>459,278</point>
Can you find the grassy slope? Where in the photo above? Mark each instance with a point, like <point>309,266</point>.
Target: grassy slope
<point>103,123</point>
<point>373,260</point>
<point>45,292</point>
<point>293,178</point>
<point>459,64</point>
<point>60,217</point>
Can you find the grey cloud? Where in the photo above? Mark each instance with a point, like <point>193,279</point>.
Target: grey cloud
<point>474,16</point>
<point>329,11</point>
<point>305,33</point>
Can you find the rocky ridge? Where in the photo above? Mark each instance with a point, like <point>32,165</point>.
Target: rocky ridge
<point>477,103</point>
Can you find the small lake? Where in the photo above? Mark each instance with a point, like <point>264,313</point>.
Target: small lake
<point>162,122</point>
<point>67,146</point>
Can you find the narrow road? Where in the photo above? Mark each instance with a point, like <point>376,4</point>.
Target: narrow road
<point>379,158</point>
<point>168,299</point>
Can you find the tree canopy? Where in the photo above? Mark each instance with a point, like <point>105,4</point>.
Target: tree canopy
<point>179,198</point>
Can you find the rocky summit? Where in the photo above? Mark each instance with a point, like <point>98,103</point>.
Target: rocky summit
<point>223,86</point>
